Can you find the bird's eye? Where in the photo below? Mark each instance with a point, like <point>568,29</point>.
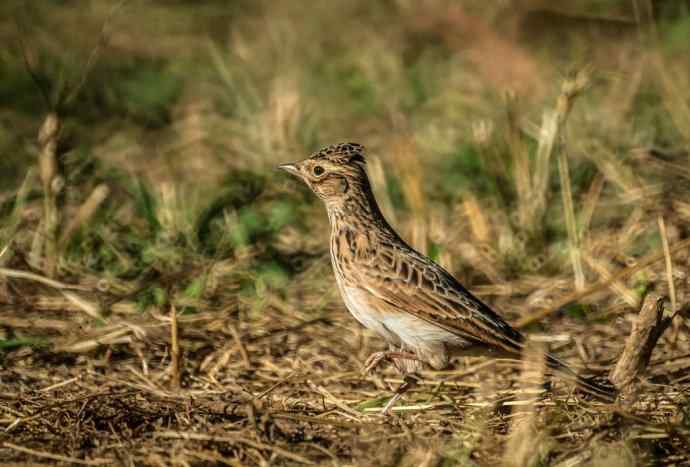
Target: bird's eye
<point>318,170</point>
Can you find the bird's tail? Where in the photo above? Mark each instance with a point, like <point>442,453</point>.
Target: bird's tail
<point>601,391</point>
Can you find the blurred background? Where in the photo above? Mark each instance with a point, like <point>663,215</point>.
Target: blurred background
<point>533,148</point>
<point>187,99</point>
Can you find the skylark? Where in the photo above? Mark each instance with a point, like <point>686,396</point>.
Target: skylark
<point>420,310</point>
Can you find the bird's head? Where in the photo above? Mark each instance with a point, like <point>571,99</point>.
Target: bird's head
<point>334,173</point>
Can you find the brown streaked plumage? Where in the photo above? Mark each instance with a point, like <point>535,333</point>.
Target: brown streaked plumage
<point>423,313</point>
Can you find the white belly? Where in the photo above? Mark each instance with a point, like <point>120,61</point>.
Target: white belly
<point>369,318</point>
<point>397,327</point>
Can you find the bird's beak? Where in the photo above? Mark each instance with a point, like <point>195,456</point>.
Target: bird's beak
<point>290,168</point>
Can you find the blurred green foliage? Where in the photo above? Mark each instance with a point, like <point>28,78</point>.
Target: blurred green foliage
<point>464,170</point>
<point>146,93</point>
<point>166,84</point>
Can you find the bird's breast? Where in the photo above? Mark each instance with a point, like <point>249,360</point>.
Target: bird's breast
<point>361,306</point>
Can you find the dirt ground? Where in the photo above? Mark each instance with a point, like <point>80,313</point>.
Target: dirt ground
<point>293,393</point>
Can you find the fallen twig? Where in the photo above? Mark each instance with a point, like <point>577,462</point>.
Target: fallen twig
<point>647,329</point>
<point>17,274</point>
<point>174,349</point>
<point>57,457</point>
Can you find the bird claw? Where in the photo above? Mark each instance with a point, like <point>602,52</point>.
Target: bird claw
<point>374,361</point>
<point>376,358</point>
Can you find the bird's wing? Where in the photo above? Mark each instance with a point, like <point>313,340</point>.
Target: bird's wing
<point>411,283</point>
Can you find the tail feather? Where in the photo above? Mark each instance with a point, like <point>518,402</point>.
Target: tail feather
<point>603,392</point>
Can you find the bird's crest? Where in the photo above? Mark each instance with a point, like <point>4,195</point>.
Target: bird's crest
<point>343,153</point>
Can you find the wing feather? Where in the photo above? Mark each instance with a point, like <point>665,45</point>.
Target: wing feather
<point>411,283</point>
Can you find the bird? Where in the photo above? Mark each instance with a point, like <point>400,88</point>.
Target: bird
<point>417,307</point>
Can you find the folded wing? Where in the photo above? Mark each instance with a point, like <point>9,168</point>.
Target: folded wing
<point>411,283</point>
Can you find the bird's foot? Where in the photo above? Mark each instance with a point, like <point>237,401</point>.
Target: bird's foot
<point>373,361</point>
<point>376,358</point>
<point>409,381</point>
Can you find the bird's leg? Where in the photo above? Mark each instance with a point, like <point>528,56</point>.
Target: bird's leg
<point>376,358</point>
<point>409,381</point>
<point>397,356</point>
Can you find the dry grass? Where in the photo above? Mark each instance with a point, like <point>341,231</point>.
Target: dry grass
<point>166,297</point>
<point>279,388</point>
